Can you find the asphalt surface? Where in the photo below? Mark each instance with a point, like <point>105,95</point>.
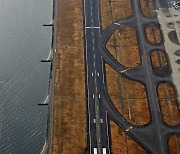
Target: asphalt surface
<point>98,132</point>
<point>153,136</point>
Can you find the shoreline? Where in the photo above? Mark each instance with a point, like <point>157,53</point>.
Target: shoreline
<point>47,148</point>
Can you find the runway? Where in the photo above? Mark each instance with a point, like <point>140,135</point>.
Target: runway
<point>98,132</point>
<point>152,137</point>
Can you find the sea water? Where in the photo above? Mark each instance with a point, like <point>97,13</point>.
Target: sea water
<point>23,78</point>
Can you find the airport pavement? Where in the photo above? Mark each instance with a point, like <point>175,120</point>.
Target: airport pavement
<point>153,136</point>
<point>98,132</point>
<point>170,22</point>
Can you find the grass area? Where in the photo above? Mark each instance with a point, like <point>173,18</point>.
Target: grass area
<point>123,46</point>
<point>69,130</point>
<point>147,7</point>
<point>174,144</point>
<point>169,104</point>
<point>158,59</point>
<point>129,97</point>
<point>114,10</point>
<point>153,34</point>
<point>122,143</point>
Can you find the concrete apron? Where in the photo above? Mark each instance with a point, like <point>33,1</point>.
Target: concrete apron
<point>172,16</point>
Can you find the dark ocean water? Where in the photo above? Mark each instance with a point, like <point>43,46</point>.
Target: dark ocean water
<point>23,78</point>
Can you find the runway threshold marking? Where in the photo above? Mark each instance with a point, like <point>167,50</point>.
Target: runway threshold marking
<point>95,151</point>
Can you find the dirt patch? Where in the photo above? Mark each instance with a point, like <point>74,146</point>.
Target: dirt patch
<point>174,144</point>
<point>169,104</point>
<point>153,34</point>
<point>129,97</point>
<point>114,10</point>
<point>158,59</point>
<point>147,7</point>
<point>69,130</point>
<point>122,143</point>
<point>123,46</point>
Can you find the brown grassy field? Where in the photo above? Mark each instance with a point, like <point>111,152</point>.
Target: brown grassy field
<point>129,97</point>
<point>122,143</point>
<point>168,104</point>
<point>69,130</point>
<point>154,59</point>
<point>123,46</point>
<point>174,144</point>
<point>118,9</point>
<point>147,8</point>
<point>156,38</point>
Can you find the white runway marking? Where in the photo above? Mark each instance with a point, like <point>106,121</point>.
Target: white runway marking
<point>93,40</point>
<point>117,24</point>
<point>101,120</point>
<point>94,120</point>
<point>129,128</point>
<point>124,70</point>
